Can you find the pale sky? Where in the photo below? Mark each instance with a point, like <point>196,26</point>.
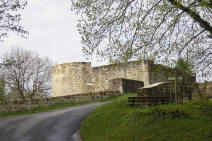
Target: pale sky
<point>52,31</point>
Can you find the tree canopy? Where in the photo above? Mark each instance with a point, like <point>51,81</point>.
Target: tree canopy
<point>27,75</point>
<point>10,18</point>
<point>131,29</point>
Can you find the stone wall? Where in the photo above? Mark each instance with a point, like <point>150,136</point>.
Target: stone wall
<point>80,77</point>
<point>196,90</point>
<point>125,85</point>
<point>185,91</point>
<point>158,89</point>
<point>70,78</point>
<point>11,106</point>
<point>159,73</point>
<point>132,70</point>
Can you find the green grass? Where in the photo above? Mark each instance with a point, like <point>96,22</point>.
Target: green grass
<point>117,121</point>
<point>53,107</point>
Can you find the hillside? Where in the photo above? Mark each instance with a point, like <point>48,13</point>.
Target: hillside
<point>117,121</point>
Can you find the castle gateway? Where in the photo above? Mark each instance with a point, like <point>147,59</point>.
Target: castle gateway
<point>80,77</point>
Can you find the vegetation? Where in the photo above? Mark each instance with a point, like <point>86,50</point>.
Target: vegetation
<point>165,30</point>
<point>2,89</point>
<point>10,17</point>
<point>117,121</point>
<point>53,107</point>
<point>27,75</point>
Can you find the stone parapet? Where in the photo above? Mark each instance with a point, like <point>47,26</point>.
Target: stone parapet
<point>11,106</point>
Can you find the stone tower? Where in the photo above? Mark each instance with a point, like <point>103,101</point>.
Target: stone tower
<point>70,78</point>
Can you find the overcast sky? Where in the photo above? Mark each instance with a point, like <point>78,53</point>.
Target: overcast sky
<point>52,32</point>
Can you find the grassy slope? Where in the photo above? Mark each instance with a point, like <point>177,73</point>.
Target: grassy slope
<point>52,107</point>
<point>116,121</point>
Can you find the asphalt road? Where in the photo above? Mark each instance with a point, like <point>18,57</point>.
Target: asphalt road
<point>58,125</point>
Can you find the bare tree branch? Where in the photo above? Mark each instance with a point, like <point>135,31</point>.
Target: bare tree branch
<point>28,76</point>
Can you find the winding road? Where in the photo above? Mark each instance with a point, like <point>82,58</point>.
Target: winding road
<point>57,125</point>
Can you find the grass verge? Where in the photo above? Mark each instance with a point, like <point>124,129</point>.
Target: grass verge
<point>53,107</point>
<point>117,121</point>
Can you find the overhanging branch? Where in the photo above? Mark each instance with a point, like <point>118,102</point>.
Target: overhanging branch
<point>204,24</point>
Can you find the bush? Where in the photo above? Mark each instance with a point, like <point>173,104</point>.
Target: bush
<point>171,111</point>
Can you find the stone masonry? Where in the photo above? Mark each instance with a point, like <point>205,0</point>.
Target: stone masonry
<point>80,77</point>
<point>12,106</point>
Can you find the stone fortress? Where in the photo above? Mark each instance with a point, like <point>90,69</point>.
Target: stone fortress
<point>80,77</point>
<point>78,81</point>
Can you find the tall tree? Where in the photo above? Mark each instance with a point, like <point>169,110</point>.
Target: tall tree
<point>130,29</point>
<point>27,74</point>
<point>10,17</point>
<point>2,89</point>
